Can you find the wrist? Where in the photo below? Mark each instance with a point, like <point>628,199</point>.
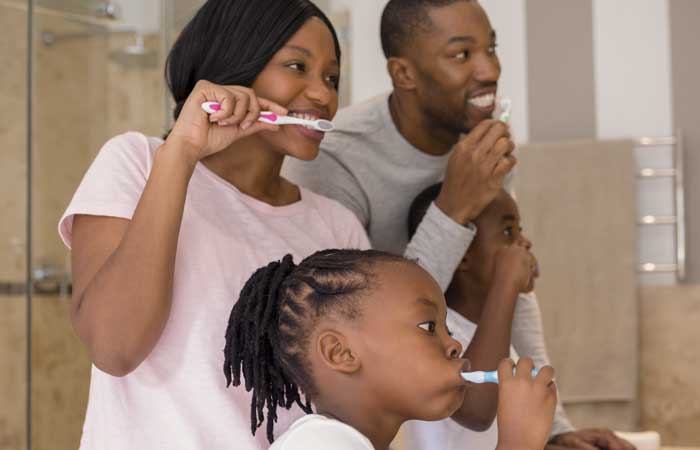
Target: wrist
<point>462,215</point>
<point>179,152</point>
<point>177,156</point>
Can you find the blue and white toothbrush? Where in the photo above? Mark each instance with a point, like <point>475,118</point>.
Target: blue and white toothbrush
<point>487,377</point>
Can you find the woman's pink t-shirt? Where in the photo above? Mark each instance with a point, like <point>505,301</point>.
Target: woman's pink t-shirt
<point>177,397</point>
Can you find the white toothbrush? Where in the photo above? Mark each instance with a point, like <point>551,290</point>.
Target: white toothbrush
<point>275,119</point>
<point>505,105</point>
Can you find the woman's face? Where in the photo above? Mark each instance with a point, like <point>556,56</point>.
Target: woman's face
<point>410,362</point>
<point>302,77</point>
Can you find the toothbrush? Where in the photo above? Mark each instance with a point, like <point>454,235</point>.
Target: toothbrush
<point>487,377</point>
<point>275,119</point>
<point>505,104</point>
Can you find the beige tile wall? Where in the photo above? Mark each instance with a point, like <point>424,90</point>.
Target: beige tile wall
<point>83,96</point>
<point>670,362</point>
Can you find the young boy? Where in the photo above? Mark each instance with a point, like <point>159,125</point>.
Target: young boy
<point>498,228</point>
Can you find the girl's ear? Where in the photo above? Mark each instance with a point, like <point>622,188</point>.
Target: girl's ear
<point>336,352</point>
<point>402,73</point>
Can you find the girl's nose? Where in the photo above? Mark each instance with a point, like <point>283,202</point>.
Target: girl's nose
<point>454,348</point>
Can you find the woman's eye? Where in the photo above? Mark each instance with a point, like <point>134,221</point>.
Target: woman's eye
<point>428,326</point>
<point>300,67</point>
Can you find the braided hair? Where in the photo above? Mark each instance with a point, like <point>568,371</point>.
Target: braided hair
<point>271,324</point>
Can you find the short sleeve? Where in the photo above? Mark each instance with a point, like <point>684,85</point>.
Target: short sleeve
<point>324,434</point>
<point>113,184</point>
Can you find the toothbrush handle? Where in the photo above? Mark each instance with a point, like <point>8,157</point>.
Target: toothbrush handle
<point>492,377</point>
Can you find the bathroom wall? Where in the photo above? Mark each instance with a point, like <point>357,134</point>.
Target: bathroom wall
<point>670,360</point>
<point>86,90</point>
<point>13,169</point>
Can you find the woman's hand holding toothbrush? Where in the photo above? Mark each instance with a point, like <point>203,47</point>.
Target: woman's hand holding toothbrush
<point>525,405</point>
<point>202,134</point>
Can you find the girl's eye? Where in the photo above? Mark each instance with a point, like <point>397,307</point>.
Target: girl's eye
<point>449,333</point>
<point>508,232</point>
<point>428,326</point>
<point>462,55</point>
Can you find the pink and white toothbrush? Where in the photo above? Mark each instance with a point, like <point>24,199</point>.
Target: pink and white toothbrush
<point>276,119</point>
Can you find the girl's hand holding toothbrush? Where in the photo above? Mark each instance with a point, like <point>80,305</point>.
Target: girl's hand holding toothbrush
<point>202,134</point>
<point>525,405</point>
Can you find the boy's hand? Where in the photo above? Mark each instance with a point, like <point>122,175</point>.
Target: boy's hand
<point>516,266</point>
<point>525,405</point>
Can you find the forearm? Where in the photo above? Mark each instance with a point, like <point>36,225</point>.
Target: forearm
<point>122,311</point>
<point>439,245</point>
<point>489,346</point>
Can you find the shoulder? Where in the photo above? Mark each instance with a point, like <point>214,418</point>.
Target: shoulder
<point>132,146</point>
<point>355,123</point>
<point>315,432</point>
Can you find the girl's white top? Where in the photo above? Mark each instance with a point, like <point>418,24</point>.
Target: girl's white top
<point>316,432</point>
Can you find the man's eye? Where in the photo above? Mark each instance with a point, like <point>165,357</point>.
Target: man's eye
<point>428,326</point>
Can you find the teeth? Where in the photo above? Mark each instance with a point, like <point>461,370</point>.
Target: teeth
<point>303,116</point>
<point>483,101</point>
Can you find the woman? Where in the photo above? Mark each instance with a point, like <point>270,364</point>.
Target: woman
<point>165,233</point>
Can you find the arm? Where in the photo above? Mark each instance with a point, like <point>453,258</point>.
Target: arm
<point>490,345</point>
<point>513,271</point>
<point>528,340</point>
<point>122,270</point>
<point>475,172</point>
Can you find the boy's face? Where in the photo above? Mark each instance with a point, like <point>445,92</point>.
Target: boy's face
<point>410,363</point>
<point>498,226</point>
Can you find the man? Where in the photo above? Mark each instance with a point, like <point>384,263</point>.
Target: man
<point>434,126</point>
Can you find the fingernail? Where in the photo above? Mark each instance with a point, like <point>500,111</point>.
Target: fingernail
<point>246,125</point>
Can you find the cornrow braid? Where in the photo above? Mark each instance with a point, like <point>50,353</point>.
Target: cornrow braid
<point>277,311</point>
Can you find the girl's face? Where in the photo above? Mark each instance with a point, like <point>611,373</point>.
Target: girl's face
<point>410,362</point>
<point>302,77</point>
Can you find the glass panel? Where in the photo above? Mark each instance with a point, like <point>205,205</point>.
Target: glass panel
<point>95,76</point>
<point>13,226</point>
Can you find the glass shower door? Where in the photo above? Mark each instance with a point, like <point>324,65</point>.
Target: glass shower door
<point>97,72</point>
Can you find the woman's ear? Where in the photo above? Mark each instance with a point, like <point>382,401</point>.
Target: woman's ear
<point>336,353</point>
<point>402,73</point>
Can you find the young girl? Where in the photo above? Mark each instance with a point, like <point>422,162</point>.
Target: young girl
<point>362,335</point>
<point>164,233</point>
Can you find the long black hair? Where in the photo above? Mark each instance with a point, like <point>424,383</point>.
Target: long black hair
<point>278,309</point>
<point>229,42</point>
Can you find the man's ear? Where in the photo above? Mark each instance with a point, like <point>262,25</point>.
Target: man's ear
<point>402,73</point>
<point>336,352</point>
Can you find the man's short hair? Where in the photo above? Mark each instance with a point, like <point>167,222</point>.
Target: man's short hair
<point>403,19</point>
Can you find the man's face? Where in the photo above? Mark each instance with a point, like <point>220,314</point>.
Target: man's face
<point>457,67</point>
